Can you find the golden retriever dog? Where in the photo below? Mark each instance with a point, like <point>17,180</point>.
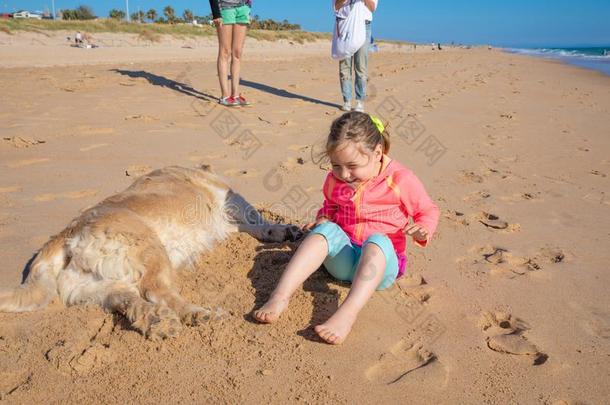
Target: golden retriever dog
<point>121,253</point>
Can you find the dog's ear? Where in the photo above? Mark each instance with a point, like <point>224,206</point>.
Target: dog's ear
<point>205,167</point>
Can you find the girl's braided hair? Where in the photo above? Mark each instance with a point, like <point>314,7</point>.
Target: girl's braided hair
<point>357,127</point>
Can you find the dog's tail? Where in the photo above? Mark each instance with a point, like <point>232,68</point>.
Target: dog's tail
<point>40,286</point>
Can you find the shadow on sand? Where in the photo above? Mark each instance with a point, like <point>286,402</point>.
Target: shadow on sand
<point>157,80</point>
<point>183,88</point>
<point>269,264</point>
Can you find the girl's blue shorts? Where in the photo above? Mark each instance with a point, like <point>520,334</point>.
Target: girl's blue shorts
<point>343,255</point>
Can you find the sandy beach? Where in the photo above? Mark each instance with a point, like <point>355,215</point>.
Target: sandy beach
<point>514,150</point>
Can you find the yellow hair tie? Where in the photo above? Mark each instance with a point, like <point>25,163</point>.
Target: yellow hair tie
<point>378,124</point>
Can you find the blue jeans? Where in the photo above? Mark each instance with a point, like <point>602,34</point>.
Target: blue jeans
<point>343,256</point>
<point>360,62</point>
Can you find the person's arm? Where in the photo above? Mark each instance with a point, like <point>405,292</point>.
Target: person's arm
<point>339,4</point>
<point>215,9</point>
<point>329,208</point>
<point>419,206</point>
<point>371,5</point>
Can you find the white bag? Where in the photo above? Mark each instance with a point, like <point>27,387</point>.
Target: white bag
<point>349,34</point>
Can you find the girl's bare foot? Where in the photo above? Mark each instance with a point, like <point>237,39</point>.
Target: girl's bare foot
<point>336,329</point>
<point>272,310</point>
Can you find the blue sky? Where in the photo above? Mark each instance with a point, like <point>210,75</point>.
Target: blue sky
<point>508,23</point>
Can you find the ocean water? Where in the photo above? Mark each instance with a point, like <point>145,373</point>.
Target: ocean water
<point>596,58</point>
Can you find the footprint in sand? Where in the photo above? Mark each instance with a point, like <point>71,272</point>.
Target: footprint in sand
<point>493,221</point>
<point>498,323</point>
<point>21,142</point>
<point>83,351</point>
<point>71,195</point>
<point>481,175</point>
<point>498,261</point>
<point>472,177</point>
<point>552,255</point>
<point>504,335</point>
<point>506,264</point>
<point>94,356</point>
<point>415,288</point>
<point>411,280</point>
<point>477,196</point>
<point>528,196</point>
<point>597,173</point>
<point>401,360</point>
<point>456,216</point>
<point>531,196</point>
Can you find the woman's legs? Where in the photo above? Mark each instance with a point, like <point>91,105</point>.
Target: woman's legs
<point>225,39</point>
<point>361,66</point>
<point>345,79</point>
<point>369,274</point>
<point>308,258</point>
<point>237,45</point>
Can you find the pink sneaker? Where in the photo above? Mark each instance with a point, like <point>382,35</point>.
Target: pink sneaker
<point>228,101</point>
<point>242,101</point>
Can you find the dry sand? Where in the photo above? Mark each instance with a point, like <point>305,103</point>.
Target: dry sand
<point>514,307</point>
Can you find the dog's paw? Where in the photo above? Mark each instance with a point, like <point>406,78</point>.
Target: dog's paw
<point>198,315</point>
<point>282,233</point>
<point>293,233</point>
<point>160,323</point>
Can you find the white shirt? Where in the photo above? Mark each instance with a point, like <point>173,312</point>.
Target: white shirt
<point>343,12</point>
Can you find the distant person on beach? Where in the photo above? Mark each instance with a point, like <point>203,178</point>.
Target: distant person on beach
<point>78,38</point>
<point>358,62</point>
<point>361,231</point>
<point>231,18</point>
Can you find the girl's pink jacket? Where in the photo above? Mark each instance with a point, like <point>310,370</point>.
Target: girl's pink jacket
<point>383,205</point>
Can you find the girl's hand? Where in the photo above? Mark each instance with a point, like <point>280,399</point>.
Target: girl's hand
<point>418,233</point>
<point>312,225</point>
<point>217,22</point>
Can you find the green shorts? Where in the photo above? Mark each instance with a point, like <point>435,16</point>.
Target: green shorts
<point>236,15</point>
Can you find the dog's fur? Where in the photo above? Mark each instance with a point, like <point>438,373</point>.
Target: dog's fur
<point>121,253</point>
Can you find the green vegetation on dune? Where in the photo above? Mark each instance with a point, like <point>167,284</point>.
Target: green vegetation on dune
<point>152,30</point>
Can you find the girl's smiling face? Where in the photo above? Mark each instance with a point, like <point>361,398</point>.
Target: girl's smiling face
<point>354,163</point>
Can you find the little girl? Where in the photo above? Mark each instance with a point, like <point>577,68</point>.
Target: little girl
<point>360,231</point>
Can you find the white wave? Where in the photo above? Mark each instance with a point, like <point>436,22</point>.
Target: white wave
<point>558,53</point>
